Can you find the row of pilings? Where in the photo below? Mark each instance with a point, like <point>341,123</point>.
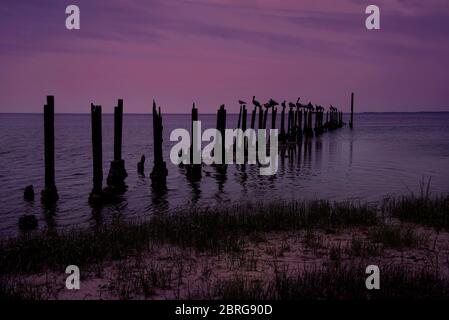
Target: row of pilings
<point>297,122</point>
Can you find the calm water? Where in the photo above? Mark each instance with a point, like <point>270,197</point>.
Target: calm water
<point>384,154</point>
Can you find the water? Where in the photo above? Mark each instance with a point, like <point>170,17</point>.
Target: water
<point>384,154</point>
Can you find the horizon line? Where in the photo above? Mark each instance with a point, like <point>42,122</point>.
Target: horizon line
<point>208,113</point>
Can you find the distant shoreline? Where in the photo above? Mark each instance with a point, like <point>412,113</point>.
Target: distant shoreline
<point>188,113</point>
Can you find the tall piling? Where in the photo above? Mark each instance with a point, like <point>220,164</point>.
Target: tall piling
<point>309,124</point>
<point>222,128</point>
<point>117,172</point>
<point>240,117</point>
<point>273,118</point>
<point>221,143</point>
<point>260,118</point>
<point>290,124</point>
<point>118,127</point>
<point>304,130</point>
<point>159,173</point>
<point>295,122</point>
<point>253,118</point>
<point>265,116</point>
<point>194,118</point>
<point>97,153</point>
<point>50,193</point>
<point>282,134</point>
<point>299,125</point>
<point>351,121</point>
<point>193,169</point>
<point>244,116</point>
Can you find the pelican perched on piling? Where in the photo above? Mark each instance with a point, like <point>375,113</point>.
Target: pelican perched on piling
<point>272,103</point>
<point>256,103</point>
<point>309,106</point>
<point>283,104</point>
<point>241,102</point>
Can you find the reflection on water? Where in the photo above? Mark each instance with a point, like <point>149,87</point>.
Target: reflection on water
<point>384,154</point>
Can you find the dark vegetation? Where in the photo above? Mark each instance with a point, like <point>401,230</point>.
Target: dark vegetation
<point>212,229</point>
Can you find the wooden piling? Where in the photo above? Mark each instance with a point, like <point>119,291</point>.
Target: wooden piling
<point>304,130</point>
<point>159,173</point>
<point>309,124</point>
<point>282,135</point>
<point>351,122</point>
<point>260,118</point>
<point>290,124</point>
<point>193,169</point>
<point>299,125</point>
<point>295,122</point>
<point>265,116</point>
<point>240,117</point>
<point>222,129</point>
<point>50,193</point>
<point>97,152</point>
<point>253,118</point>
<point>244,115</point>
<point>118,126</point>
<point>117,173</point>
<point>194,118</point>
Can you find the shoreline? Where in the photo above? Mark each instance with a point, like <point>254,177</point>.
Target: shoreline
<point>281,250</point>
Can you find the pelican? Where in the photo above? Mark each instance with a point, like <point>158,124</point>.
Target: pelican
<point>309,106</point>
<point>299,105</point>
<point>256,103</point>
<point>242,102</point>
<point>283,104</point>
<point>273,103</point>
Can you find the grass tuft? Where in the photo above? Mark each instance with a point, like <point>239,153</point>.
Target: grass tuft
<point>396,236</point>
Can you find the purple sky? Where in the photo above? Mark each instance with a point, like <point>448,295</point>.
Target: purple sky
<point>219,51</point>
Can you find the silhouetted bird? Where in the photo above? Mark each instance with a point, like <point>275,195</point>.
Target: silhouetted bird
<point>309,106</point>
<point>256,103</point>
<point>272,103</point>
<point>283,104</point>
<point>242,102</point>
<point>291,105</point>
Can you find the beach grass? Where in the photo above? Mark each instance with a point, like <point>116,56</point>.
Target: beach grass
<point>214,229</point>
<point>422,209</point>
<point>393,236</point>
<point>338,283</point>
